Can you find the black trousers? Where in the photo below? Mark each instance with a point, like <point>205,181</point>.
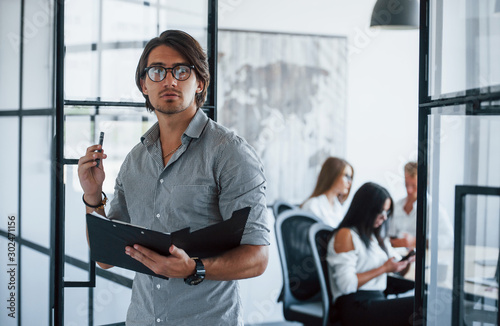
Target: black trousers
<point>372,308</point>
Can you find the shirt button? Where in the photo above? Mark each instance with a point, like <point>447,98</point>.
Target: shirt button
<point>158,320</point>
<point>158,286</point>
<point>161,180</point>
<point>158,215</point>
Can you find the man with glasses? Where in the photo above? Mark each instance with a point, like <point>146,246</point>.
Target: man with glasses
<point>187,171</point>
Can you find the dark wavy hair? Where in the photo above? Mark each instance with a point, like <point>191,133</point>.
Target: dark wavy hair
<point>367,203</point>
<point>189,48</point>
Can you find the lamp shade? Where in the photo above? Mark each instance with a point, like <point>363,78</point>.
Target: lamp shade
<point>395,14</point>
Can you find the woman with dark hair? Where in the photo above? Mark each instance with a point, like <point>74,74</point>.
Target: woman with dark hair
<point>359,258</point>
<point>331,190</point>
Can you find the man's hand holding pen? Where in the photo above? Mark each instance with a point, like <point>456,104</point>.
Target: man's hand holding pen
<point>92,176</point>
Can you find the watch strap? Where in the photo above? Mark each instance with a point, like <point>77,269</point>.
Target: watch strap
<point>199,273</point>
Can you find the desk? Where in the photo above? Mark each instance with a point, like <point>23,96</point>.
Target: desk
<point>444,270</point>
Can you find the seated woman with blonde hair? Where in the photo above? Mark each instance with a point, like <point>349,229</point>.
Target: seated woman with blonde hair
<point>360,256</point>
<point>332,189</point>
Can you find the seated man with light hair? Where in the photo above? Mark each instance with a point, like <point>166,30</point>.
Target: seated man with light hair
<point>403,225</point>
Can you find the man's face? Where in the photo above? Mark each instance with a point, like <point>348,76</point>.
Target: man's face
<point>411,185</point>
<point>170,96</point>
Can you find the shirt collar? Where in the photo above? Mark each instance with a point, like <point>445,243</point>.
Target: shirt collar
<point>197,124</point>
<point>194,129</point>
<point>151,135</point>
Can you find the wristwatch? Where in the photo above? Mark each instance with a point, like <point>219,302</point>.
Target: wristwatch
<point>199,273</point>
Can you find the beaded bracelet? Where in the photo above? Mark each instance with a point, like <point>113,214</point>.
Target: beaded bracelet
<point>101,205</point>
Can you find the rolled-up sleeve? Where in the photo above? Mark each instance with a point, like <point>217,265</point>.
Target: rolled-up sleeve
<point>242,183</point>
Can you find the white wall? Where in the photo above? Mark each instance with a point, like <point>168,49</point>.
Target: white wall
<point>382,100</point>
<point>383,77</point>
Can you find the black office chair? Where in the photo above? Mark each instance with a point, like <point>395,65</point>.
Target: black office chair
<point>319,235</point>
<point>301,288</point>
<point>280,206</point>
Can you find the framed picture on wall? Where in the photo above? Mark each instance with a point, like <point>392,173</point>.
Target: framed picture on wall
<point>286,95</point>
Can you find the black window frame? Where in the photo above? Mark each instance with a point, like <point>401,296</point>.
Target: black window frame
<point>56,113</point>
<point>477,102</point>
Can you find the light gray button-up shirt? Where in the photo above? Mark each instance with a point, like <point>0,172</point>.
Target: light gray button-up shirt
<point>212,174</point>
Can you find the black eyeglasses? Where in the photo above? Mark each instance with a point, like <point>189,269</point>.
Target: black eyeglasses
<point>348,177</point>
<point>385,213</point>
<point>179,72</point>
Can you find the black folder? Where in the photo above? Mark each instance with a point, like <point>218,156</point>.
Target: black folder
<point>108,239</point>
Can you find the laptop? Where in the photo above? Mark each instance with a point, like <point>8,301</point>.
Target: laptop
<point>486,281</point>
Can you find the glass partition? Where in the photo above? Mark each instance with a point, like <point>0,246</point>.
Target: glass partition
<point>459,133</point>
<point>464,51</point>
<point>461,153</point>
<point>105,38</point>
<point>481,260</point>
<point>102,45</point>
<point>10,38</point>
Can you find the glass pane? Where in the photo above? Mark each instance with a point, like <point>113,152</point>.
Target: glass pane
<point>118,76</point>
<point>123,128</point>
<point>125,21</point>
<point>111,300</point>
<point>75,239</point>
<point>76,300</point>
<point>9,169</point>
<point>38,54</point>
<point>80,21</point>
<point>464,46</point>
<point>105,40</point>
<point>36,182</point>
<point>77,136</point>
<point>189,16</point>
<point>10,17</point>
<point>481,259</point>
<point>35,269</point>
<point>462,151</point>
<point>80,71</point>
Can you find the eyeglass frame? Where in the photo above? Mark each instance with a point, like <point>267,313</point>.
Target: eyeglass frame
<point>348,177</point>
<point>146,71</point>
<point>385,213</point>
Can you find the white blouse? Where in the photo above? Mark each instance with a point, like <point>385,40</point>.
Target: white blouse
<point>343,267</point>
<point>321,207</point>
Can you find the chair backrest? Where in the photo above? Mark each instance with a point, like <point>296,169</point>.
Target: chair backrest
<point>319,236</point>
<point>300,278</point>
<point>280,206</point>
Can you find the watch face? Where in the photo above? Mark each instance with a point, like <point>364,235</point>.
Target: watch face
<point>195,279</point>
<point>198,276</point>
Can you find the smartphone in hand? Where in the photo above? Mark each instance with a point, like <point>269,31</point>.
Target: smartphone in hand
<point>408,255</point>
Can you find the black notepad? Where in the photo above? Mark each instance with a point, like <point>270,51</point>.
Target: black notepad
<point>109,238</point>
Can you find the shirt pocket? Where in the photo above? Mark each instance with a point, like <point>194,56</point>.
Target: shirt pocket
<point>195,206</point>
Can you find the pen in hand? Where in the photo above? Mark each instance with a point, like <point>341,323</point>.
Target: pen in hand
<point>101,139</point>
